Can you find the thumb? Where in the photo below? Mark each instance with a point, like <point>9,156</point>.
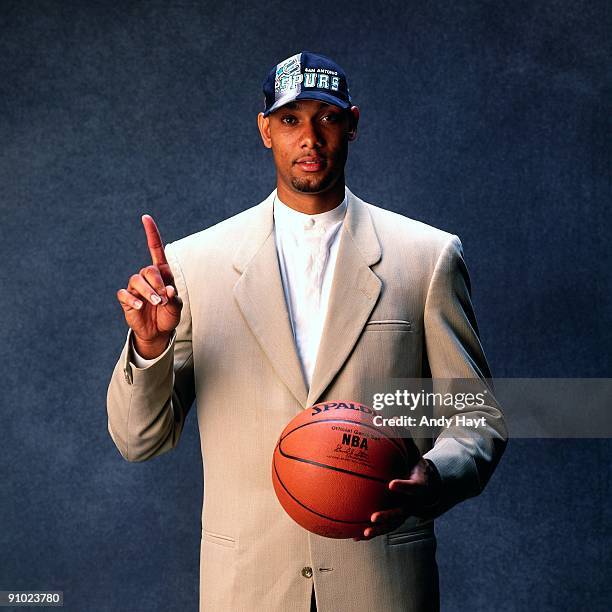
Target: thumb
<point>409,487</point>
<point>174,300</point>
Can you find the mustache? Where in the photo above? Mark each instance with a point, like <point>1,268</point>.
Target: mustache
<point>310,156</point>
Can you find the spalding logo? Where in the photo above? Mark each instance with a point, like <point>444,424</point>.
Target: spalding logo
<point>337,405</point>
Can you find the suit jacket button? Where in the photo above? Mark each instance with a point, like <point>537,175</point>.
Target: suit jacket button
<point>307,572</point>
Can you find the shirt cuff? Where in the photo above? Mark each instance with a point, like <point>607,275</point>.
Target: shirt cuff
<point>139,361</point>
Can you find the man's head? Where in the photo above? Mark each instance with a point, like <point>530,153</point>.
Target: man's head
<point>308,122</point>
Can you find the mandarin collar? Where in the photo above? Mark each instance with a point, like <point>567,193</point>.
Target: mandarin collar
<point>288,218</point>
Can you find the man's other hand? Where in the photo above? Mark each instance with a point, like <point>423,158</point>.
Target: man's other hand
<point>418,493</point>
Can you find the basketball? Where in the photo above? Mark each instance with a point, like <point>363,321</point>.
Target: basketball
<point>331,468</point>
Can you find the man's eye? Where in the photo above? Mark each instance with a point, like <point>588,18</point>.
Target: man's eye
<point>331,118</point>
<point>288,119</point>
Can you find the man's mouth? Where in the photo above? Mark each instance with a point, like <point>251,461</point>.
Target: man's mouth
<point>311,163</point>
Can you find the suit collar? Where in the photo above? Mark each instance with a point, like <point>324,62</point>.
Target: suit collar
<point>359,225</point>
<point>354,293</point>
<point>259,226</point>
<point>260,296</point>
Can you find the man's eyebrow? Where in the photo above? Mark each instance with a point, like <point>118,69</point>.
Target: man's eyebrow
<point>293,106</point>
<point>297,106</point>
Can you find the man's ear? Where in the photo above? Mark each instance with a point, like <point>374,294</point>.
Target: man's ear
<point>353,121</point>
<point>263,123</point>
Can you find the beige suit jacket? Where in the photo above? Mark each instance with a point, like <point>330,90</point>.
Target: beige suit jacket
<point>399,305</point>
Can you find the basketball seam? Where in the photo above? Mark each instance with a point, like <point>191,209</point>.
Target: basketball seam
<point>297,501</point>
<point>402,450</point>
<point>330,467</point>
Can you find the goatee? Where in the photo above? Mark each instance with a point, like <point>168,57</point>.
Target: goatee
<point>311,185</point>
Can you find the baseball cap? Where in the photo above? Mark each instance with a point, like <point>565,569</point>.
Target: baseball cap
<point>305,76</point>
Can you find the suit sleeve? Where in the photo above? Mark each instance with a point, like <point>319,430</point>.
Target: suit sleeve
<point>464,456</point>
<point>147,407</point>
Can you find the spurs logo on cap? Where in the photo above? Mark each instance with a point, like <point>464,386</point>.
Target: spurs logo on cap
<point>288,74</point>
<point>306,76</point>
<point>321,78</point>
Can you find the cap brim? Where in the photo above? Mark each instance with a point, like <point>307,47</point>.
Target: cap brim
<point>309,95</point>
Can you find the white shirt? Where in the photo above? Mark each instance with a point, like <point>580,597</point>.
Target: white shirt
<point>307,247</point>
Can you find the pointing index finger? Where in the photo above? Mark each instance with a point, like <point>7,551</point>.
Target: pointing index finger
<point>154,241</point>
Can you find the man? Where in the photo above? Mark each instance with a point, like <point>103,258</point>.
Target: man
<point>306,297</point>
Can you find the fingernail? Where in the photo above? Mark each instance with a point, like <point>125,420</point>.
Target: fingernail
<point>138,304</point>
<point>155,298</point>
<point>164,300</point>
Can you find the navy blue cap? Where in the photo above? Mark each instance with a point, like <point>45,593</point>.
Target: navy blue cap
<point>306,76</point>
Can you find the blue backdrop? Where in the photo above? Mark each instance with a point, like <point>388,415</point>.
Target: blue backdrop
<point>488,119</point>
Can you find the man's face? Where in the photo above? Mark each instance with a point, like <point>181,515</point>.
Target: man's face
<point>309,142</point>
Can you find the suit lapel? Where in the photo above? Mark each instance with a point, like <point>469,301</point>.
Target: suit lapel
<point>260,296</point>
<point>354,292</point>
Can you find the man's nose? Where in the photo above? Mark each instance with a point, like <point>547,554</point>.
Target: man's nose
<point>310,136</point>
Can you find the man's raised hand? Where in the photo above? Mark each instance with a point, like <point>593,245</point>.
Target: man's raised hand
<point>151,305</point>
